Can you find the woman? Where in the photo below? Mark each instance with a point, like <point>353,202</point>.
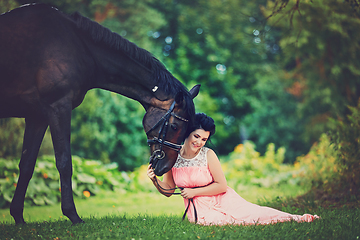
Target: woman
<point>198,173</point>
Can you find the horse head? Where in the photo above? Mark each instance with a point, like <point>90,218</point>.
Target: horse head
<point>166,129</point>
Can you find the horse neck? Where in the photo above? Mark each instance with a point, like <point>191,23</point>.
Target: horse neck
<point>119,73</point>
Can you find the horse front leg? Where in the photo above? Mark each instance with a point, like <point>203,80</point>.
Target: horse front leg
<point>33,136</point>
<point>60,122</point>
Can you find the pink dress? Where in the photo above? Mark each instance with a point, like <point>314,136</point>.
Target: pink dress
<point>224,208</point>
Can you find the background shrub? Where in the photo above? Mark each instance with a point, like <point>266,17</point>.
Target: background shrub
<point>89,177</point>
<point>245,166</point>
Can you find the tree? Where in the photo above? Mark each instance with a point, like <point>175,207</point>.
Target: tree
<point>320,52</point>
<point>228,48</point>
<point>274,118</point>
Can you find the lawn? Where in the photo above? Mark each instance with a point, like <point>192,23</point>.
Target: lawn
<point>334,224</point>
<point>152,216</point>
<point>105,204</point>
<point>132,204</point>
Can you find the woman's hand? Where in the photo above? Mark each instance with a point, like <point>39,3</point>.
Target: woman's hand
<point>166,183</point>
<point>188,193</point>
<point>150,173</point>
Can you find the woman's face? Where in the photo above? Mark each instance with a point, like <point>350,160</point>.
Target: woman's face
<point>197,139</point>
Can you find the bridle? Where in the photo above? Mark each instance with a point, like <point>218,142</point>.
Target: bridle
<point>164,120</point>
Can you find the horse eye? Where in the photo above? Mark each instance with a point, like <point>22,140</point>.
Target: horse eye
<point>174,127</point>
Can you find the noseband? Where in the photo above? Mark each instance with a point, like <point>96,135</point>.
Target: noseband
<point>164,120</point>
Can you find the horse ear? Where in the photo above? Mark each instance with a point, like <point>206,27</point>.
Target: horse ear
<point>179,98</point>
<point>195,91</point>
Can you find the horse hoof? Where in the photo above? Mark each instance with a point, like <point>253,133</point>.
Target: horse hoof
<point>20,223</point>
<point>75,223</point>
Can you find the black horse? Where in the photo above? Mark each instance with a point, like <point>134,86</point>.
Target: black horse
<point>49,60</point>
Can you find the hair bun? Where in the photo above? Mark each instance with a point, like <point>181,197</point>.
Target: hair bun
<point>205,122</point>
<point>202,121</point>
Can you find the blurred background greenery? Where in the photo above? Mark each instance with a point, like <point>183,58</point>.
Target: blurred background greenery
<point>271,72</point>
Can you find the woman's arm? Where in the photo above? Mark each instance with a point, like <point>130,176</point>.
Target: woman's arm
<point>218,186</point>
<point>167,183</point>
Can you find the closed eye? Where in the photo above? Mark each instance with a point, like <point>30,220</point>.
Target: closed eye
<point>197,136</point>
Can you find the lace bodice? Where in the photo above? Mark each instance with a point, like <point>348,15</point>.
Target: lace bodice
<point>199,160</point>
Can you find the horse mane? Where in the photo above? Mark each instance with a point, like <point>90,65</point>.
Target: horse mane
<point>100,34</point>
<point>165,80</point>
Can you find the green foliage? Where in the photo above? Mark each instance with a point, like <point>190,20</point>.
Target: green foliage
<point>231,51</point>
<point>318,167</point>
<point>42,189</point>
<point>8,180</point>
<point>332,165</point>
<point>89,177</point>
<point>11,137</point>
<point>108,127</point>
<point>213,43</point>
<point>6,5</point>
<point>346,138</point>
<point>274,118</point>
<point>324,73</point>
<point>245,166</point>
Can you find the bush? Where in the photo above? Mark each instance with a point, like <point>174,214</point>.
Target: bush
<point>89,177</point>
<point>319,166</point>
<point>245,166</point>
<point>332,166</point>
<point>346,139</point>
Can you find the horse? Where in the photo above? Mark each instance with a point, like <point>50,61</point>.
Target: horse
<point>48,62</point>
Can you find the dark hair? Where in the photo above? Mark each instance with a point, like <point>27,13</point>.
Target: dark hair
<point>202,121</point>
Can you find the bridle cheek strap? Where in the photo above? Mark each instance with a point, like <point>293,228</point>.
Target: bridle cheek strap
<point>163,131</point>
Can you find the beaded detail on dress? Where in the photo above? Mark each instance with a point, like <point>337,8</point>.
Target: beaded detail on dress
<point>199,160</point>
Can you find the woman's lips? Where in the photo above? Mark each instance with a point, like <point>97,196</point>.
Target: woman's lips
<point>195,146</point>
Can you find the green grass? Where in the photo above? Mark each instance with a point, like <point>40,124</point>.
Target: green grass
<point>105,204</point>
<point>153,216</point>
<point>132,204</point>
<point>334,224</point>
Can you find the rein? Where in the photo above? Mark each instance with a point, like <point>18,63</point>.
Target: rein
<point>190,200</point>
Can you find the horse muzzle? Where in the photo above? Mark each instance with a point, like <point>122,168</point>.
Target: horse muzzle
<point>156,160</point>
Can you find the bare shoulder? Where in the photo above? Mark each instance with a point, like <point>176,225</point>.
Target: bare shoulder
<point>211,156</point>
<point>214,166</point>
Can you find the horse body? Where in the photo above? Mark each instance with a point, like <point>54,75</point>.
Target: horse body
<point>53,55</point>
<point>49,61</point>
<point>38,67</point>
